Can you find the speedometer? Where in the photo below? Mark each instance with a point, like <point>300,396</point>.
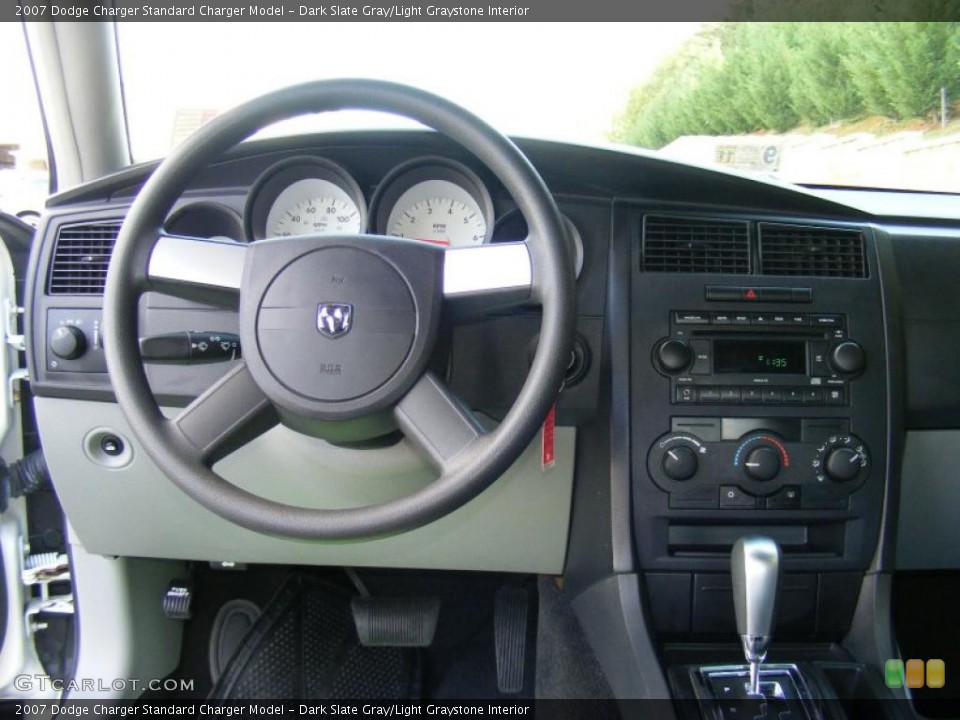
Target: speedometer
<point>434,200</point>
<point>305,196</point>
<point>437,211</point>
<point>313,207</point>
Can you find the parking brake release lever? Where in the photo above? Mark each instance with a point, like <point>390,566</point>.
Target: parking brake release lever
<point>190,347</point>
<point>755,567</point>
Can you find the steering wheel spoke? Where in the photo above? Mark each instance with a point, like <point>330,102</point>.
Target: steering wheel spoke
<point>488,277</point>
<point>207,270</point>
<point>436,422</point>
<point>230,414</point>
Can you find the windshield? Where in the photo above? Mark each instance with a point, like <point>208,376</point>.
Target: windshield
<point>838,104</point>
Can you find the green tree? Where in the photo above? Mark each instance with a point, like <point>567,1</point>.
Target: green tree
<point>747,77</point>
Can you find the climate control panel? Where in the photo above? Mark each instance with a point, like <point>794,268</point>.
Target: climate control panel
<point>759,463</point>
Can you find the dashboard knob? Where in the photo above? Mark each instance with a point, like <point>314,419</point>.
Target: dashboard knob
<point>674,356</point>
<point>68,342</point>
<point>848,358</point>
<point>842,464</point>
<point>679,463</point>
<point>762,463</point>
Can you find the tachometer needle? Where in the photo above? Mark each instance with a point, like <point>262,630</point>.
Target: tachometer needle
<point>435,242</point>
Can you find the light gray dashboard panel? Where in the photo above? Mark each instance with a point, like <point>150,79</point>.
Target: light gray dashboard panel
<point>928,535</point>
<point>519,524</point>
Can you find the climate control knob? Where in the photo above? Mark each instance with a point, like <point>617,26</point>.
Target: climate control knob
<point>848,358</point>
<point>842,459</point>
<point>842,464</point>
<point>673,356</point>
<point>762,463</point>
<point>68,342</point>
<point>679,463</point>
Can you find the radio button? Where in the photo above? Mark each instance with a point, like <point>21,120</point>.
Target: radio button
<point>760,319</point>
<point>793,395</point>
<point>686,394</point>
<point>772,395</point>
<point>798,319</point>
<point>701,357</point>
<point>751,395</point>
<point>741,319</point>
<point>818,359</point>
<point>721,318</point>
<point>835,396</point>
<point>730,395</point>
<point>813,396</point>
<point>690,317</point>
<point>709,394</point>
<point>830,321</point>
<point>780,319</point>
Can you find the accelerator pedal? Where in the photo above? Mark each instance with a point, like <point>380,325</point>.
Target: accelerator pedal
<point>511,605</point>
<point>395,621</point>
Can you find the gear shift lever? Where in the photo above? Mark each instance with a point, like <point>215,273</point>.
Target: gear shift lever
<point>755,566</point>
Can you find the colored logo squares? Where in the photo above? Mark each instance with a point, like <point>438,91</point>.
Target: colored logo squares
<point>915,673</point>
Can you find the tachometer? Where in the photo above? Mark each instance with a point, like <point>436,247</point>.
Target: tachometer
<point>434,200</point>
<point>437,211</point>
<point>305,196</point>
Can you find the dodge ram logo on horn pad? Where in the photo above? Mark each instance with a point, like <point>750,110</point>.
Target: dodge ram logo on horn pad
<point>334,319</point>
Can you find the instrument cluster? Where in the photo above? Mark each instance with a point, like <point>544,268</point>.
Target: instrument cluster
<point>428,199</point>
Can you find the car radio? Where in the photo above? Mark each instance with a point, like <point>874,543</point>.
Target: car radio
<point>758,358</point>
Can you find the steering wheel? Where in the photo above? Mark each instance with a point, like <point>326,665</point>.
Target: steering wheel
<point>337,331</point>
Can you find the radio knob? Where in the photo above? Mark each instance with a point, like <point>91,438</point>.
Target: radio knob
<point>674,356</point>
<point>68,342</point>
<point>842,464</point>
<point>679,463</point>
<point>762,463</point>
<point>848,358</point>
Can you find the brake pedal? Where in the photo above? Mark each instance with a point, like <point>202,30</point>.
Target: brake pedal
<point>395,621</point>
<point>511,605</point>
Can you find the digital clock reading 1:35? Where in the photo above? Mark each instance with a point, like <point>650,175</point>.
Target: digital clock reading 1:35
<point>762,357</point>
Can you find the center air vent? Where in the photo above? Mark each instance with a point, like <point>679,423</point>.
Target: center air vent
<point>81,257</point>
<point>817,251</point>
<point>688,245</point>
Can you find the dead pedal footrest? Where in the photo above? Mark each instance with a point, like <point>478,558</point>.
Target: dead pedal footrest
<point>395,621</point>
<point>510,634</point>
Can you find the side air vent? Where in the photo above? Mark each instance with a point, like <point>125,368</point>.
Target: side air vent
<point>81,257</point>
<point>805,250</point>
<point>689,245</point>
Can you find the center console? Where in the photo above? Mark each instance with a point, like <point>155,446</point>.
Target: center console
<point>759,405</point>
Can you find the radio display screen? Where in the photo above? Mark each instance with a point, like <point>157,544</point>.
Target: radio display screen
<point>760,357</point>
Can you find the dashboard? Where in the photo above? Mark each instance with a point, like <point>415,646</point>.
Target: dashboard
<point>750,357</point>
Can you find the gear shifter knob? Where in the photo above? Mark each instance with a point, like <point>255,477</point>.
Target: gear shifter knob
<point>755,566</point>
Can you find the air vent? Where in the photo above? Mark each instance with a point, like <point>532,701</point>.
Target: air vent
<point>688,245</point>
<point>81,257</point>
<point>800,250</point>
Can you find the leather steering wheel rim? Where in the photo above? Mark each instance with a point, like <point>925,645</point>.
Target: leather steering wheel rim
<point>484,459</point>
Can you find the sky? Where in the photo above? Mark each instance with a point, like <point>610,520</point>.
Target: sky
<point>555,80</point>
